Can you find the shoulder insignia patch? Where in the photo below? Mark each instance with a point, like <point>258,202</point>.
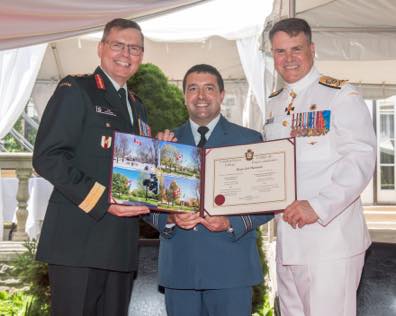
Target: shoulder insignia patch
<point>80,75</point>
<point>331,82</point>
<point>274,94</point>
<point>65,84</point>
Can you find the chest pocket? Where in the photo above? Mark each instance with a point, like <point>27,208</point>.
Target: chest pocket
<point>313,148</point>
<point>313,139</point>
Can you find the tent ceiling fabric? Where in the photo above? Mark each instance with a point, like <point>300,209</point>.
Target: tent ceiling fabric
<point>26,22</point>
<point>78,56</point>
<point>354,40</point>
<point>175,41</point>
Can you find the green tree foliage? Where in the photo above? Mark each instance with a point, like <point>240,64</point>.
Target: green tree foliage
<point>11,144</point>
<point>120,184</point>
<point>164,101</point>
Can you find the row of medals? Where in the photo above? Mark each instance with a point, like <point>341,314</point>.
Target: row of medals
<point>308,124</point>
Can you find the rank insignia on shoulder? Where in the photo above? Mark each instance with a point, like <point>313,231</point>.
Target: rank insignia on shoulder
<point>65,84</point>
<point>105,142</point>
<point>331,82</point>
<point>274,94</point>
<point>80,75</point>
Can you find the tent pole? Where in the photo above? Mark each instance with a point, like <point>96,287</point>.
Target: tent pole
<point>292,8</point>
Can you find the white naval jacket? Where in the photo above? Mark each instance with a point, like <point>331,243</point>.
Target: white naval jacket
<point>332,169</point>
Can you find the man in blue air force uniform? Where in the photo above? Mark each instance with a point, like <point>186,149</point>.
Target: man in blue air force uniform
<point>90,246</point>
<point>322,236</point>
<point>209,265</point>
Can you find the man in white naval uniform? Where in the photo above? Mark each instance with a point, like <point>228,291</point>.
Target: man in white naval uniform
<point>322,236</point>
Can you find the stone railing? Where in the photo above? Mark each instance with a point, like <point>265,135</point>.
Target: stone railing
<point>22,164</point>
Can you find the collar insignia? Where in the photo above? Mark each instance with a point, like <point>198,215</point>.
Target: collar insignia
<point>99,82</point>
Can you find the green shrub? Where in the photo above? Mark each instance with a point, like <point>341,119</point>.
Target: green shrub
<point>164,101</point>
<point>261,303</point>
<point>33,274</point>
<point>12,303</point>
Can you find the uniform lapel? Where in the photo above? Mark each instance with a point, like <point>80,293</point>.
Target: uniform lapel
<point>113,98</point>
<point>185,135</point>
<point>219,133</point>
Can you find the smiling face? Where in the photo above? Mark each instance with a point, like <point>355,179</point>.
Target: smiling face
<point>120,66</point>
<point>203,97</point>
<point>293,56</point>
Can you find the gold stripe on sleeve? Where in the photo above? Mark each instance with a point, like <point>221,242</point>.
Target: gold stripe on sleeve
<point>92,198</point>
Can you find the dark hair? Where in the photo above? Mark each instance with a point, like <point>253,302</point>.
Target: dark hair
<point>293,27</point>
<point>121,24</point>
<point>208,69</point>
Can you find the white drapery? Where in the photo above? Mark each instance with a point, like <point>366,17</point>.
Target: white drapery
<point>253,65</point>
<point>18,71</point>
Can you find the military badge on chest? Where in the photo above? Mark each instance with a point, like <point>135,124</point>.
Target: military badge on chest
<point>105,142</point>
<point>310,123</point>
<point>290,107</point>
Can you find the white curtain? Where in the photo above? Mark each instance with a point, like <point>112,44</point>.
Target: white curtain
<point>253,66</point>
<point>18,71</point>
<point>259,73</point>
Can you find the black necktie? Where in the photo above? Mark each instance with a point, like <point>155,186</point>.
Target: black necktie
<point>124,105</point>
<point>202,130</point>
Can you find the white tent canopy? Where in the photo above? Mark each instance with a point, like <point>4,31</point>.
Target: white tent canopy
<point>355,40</point>
<point>26,22</point>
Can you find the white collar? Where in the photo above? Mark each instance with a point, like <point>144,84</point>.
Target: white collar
<point>194,128</point>
<point>115,83</point>
<point>312,76</point>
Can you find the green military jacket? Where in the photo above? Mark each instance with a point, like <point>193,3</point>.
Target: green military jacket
<point>73,151</point>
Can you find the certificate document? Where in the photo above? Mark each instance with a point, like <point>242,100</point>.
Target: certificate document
<point>251,178</point>
<point>175,177</point>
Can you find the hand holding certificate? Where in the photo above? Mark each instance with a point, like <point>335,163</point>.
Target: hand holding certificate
<point>169,176</point>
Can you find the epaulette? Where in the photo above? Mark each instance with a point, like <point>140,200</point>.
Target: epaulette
<point>65,83</point>
<point>81,75</point>
<point>331,82</point>
<point>274,94</point>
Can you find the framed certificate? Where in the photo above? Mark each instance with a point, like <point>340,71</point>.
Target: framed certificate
<point>174,177</point>
<point>251,178</point>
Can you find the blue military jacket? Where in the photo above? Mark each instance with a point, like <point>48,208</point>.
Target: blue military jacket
<point>200,259</point>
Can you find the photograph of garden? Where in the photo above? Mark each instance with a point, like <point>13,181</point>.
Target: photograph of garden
<point>162,175</point>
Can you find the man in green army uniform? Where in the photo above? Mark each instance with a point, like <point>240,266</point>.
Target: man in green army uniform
<point>90,244</point>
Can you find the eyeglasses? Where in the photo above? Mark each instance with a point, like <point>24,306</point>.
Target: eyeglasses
<point>134,50</point>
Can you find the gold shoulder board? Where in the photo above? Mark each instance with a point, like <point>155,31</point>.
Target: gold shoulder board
<point>331,82</point>
<point>274,94</point>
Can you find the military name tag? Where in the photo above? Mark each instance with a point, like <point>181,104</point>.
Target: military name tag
<point>105,111</point>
